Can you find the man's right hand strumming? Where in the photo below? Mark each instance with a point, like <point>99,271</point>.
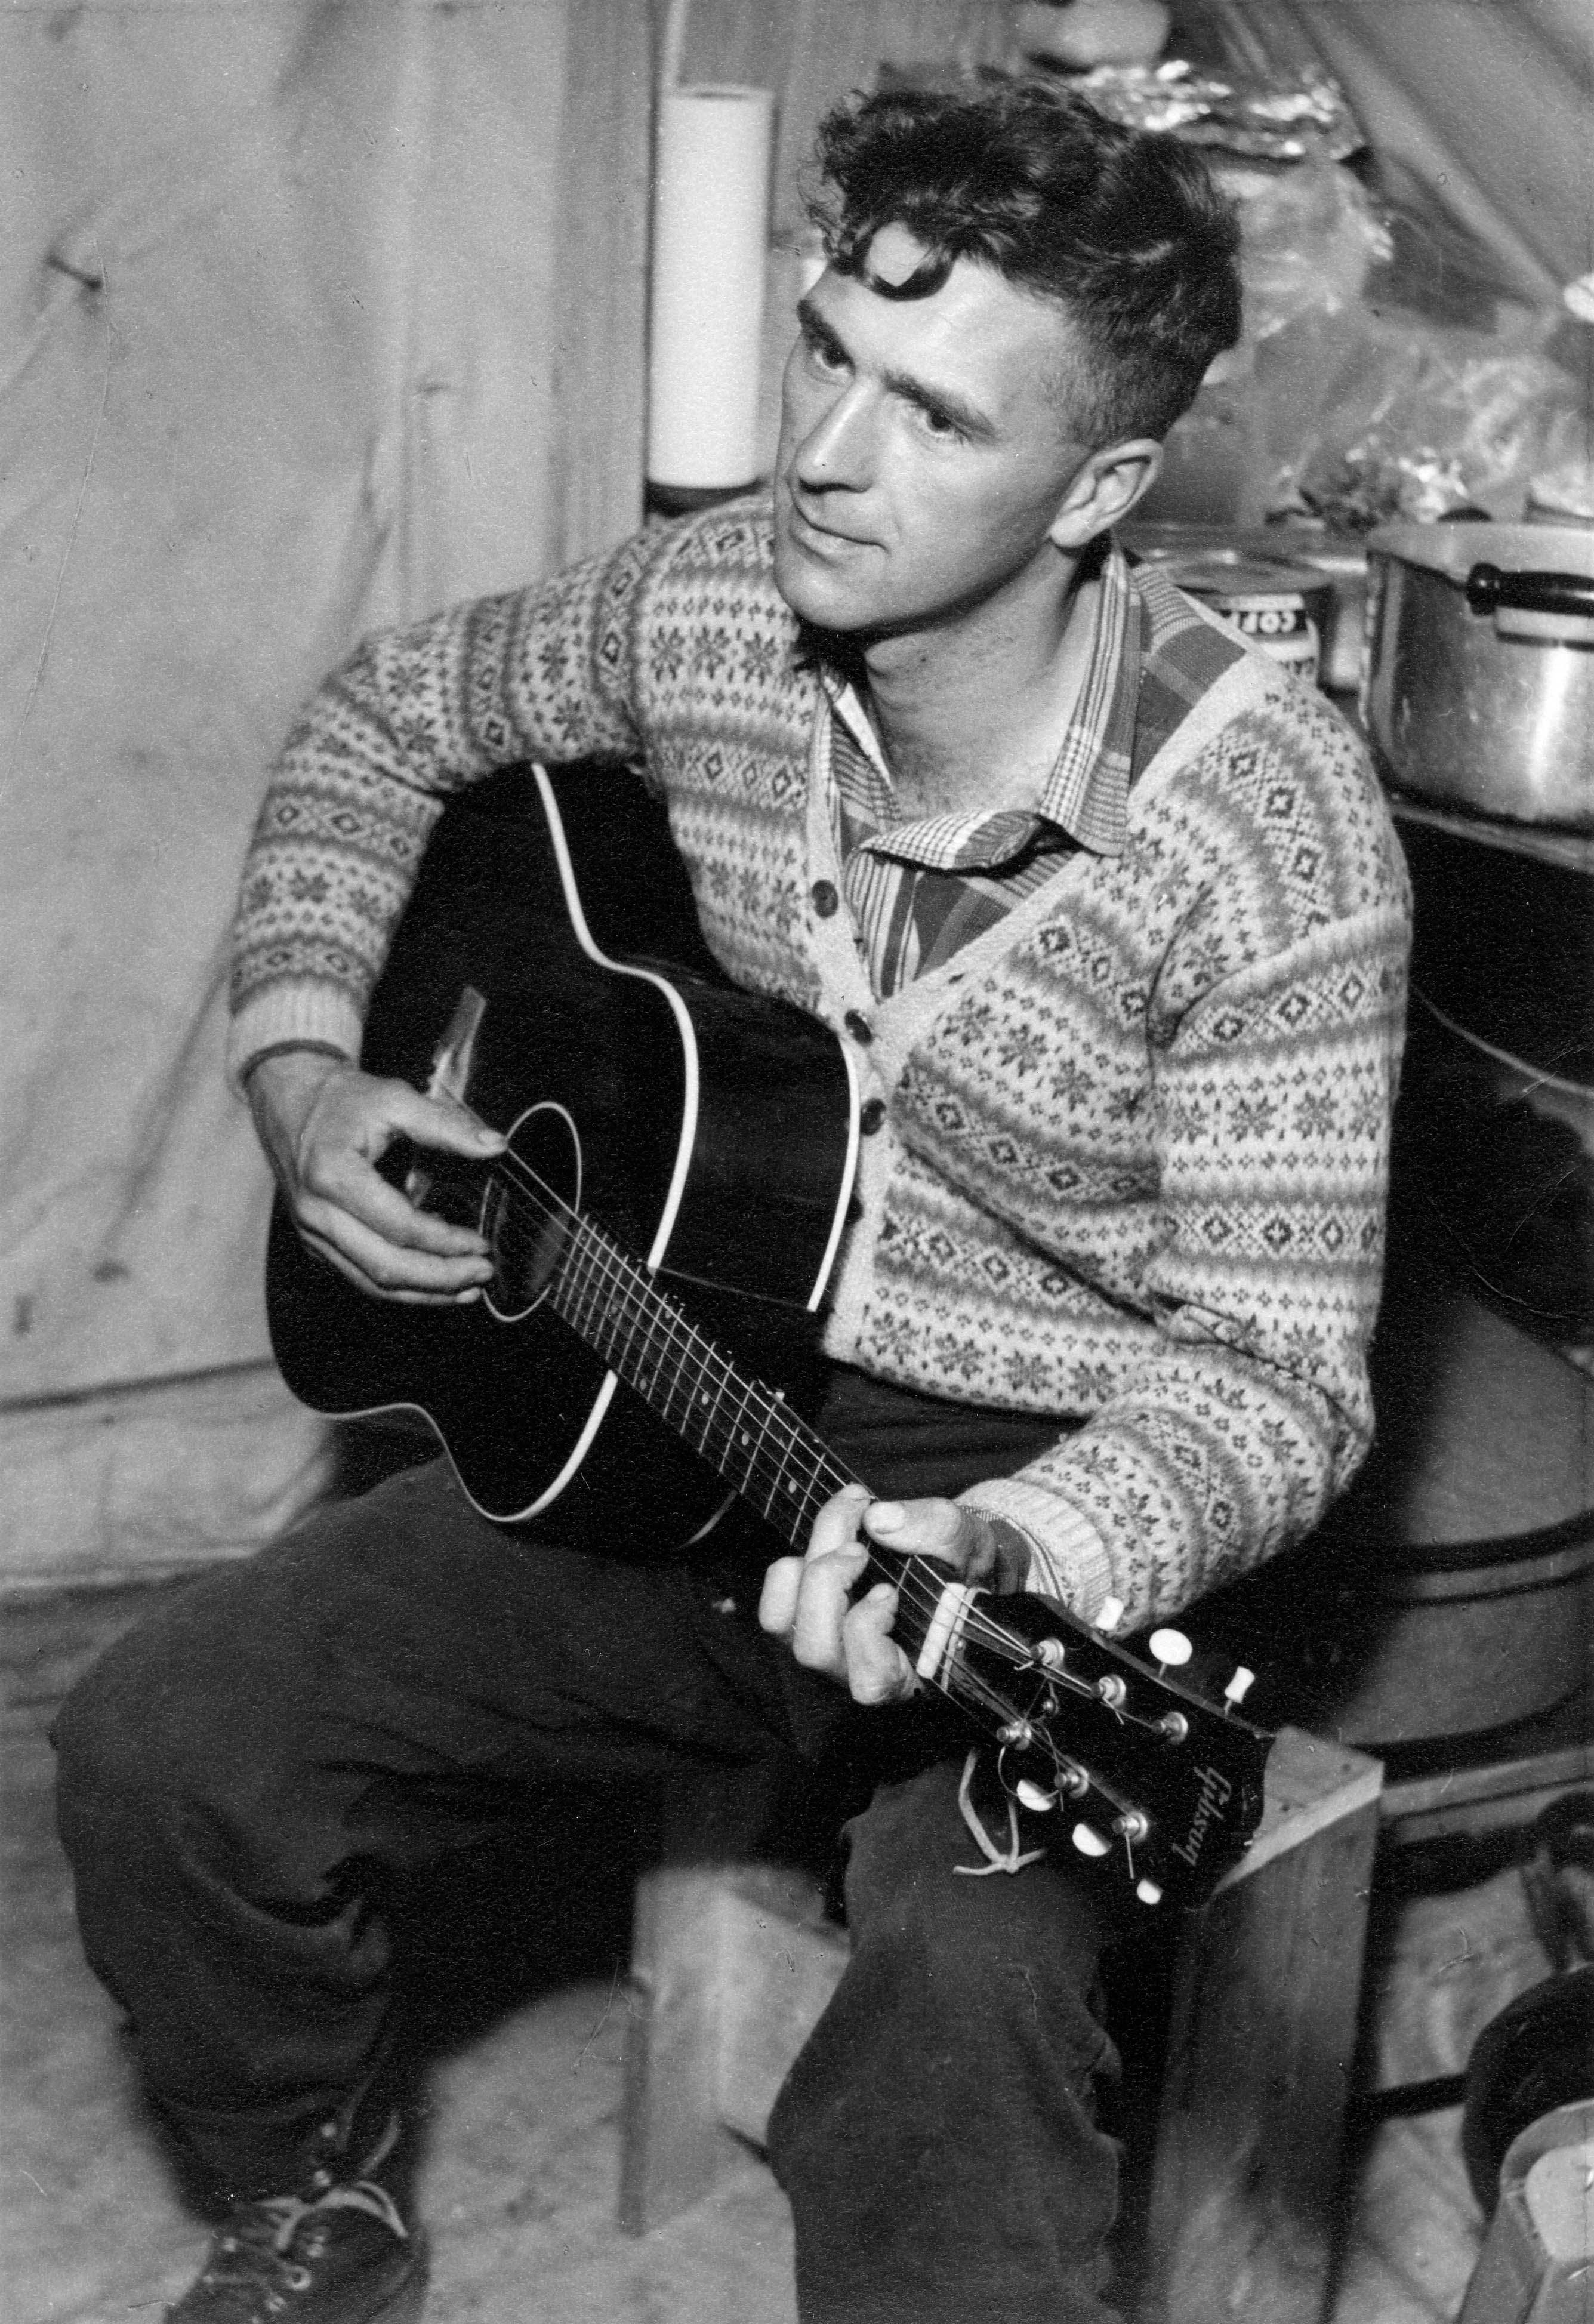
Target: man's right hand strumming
<point>325,1125</point>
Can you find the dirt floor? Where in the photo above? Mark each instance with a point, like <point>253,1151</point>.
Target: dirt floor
<point>520,2156</point>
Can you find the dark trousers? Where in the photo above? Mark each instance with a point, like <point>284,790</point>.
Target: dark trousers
<point>251,1780</point>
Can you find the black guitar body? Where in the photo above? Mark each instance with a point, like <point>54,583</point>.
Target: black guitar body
<point>663,1224</point>
<point>652,1100</point>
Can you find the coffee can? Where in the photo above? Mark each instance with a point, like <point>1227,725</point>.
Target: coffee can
<point>1284,609</point>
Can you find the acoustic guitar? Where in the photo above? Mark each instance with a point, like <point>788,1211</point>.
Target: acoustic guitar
<point>663,1223</point>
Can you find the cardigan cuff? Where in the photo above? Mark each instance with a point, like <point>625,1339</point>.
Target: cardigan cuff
<point>1067,1556</point>
<point>1016,1551</point>
<point>291,1016</point>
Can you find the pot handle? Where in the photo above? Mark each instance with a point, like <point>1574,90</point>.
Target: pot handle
<point>1558,607</point>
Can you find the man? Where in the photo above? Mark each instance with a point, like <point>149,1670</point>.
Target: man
<point>1109,907</point>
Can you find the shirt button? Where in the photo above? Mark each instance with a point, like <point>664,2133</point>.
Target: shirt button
<point>871,1114</point>
<point>824,899</point>
<point>858,1025</point>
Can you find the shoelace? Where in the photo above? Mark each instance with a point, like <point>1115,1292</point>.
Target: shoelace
<point>266,2256</point>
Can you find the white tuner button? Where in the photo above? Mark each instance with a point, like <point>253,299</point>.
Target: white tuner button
<point>1031,1796</point>
<point>1110,1613</point>
<point>1171,1647</point>
<point>1089,1841</point>
<point>1149,1892</point>
<point>1239,1685</point>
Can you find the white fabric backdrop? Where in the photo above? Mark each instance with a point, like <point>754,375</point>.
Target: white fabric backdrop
<point>275,282</point>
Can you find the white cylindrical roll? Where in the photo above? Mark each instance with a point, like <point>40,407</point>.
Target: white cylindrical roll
<point>710,235</point>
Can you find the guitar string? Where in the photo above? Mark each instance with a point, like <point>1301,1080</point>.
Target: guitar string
<point>614,1266</point>
<point>592,1266</point>
<point>598,1258</point>
<point>600,1261</point>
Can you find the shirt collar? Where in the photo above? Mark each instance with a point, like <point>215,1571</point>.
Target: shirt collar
<point>1086,793</point>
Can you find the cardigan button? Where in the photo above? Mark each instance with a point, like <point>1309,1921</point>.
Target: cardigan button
<point>858,1025</point>
<point>871,1114</point>
<point>825,901</point>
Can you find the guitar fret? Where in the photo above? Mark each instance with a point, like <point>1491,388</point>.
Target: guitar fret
<point>739,1443</point>
<point>782,1479</point>
<point>744,1430</point>
<point>578,1290</point>
<point>708,1362</point>
<point>676,1378</point>
<point>593,1287</point>
<point>644,1361</point>
<point>644,1354</point>
<point>712,1355</point>
<point>583,1296</point>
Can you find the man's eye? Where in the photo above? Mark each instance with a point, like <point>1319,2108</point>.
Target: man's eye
<point>826,356</point>
<point>944,430</point>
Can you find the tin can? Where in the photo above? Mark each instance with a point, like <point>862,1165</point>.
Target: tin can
<point>1284,609</point>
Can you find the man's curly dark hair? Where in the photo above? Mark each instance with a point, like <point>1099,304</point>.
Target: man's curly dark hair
<point>1127,231</point>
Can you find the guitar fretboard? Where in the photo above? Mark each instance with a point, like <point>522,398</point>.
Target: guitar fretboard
<point>744,1430</point>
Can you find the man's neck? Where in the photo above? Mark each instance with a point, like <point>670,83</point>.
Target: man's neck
<point>973,717</point>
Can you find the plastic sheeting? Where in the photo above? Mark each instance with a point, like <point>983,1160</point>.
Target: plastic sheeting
<point>1486,105</point>
<point>275,282</point>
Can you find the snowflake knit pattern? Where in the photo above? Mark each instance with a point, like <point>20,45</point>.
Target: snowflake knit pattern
<point>1135,1149</point>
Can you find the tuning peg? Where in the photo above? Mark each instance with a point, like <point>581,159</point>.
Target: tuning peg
<point>1172,1648</point>
<point>1089,1841</point>
<point>1239,1686</point>
<point>1031,1796</point>
<point>1149,1892</point>
<point>1110,1614</point>
<point>1112,1691</point>
<point>1051,1652</point>
<point>1133,1824</point>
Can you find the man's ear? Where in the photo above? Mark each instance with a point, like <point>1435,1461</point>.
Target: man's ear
<point>1104,488</point>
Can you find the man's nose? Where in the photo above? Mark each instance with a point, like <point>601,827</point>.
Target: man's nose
<point>838,449</point>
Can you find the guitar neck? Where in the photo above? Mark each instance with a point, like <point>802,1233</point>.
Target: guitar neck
<point>745,1431</point>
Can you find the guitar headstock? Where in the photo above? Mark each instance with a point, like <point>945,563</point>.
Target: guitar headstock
<point>1137,1765</point>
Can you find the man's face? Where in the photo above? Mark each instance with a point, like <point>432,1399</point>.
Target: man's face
<point>923,452</point>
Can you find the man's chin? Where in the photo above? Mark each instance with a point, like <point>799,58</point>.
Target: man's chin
<point>814,595</point>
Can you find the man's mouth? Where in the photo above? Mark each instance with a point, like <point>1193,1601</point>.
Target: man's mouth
<point>809,530</point>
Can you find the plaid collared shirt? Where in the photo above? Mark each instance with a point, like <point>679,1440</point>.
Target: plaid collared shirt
<point>919,891</point>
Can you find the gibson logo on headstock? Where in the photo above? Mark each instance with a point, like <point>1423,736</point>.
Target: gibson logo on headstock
<point>1216,1790</point>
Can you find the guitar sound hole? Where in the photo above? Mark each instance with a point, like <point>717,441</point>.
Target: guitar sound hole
<point>525,1255</point>
<point>530,1211</point>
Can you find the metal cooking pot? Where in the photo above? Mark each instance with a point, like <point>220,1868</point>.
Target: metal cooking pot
<point>1478,687</point>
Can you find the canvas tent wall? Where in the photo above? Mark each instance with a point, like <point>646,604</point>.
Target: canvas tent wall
<point>300,336</point>
<point>315,314</point>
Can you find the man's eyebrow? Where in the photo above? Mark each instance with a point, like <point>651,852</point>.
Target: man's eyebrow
<point>941,401</point>
<point>811,319</point>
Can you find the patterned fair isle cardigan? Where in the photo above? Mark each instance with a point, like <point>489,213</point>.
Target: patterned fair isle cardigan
<point>1135,1152</point>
